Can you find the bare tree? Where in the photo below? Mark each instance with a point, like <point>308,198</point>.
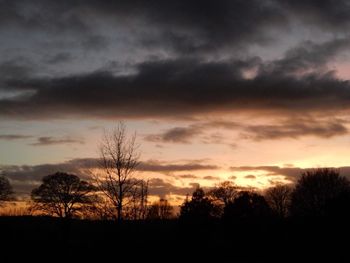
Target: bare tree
<point>224,192</point>
<point>62,194</point>
<point>6,192</point>
<point>279,199</point>
<point>119,158</point>
<point>160,210</point>
<point>137,207</point>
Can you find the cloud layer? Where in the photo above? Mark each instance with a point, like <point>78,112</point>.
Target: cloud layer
<point>168,59</point>
<point>25,177</point>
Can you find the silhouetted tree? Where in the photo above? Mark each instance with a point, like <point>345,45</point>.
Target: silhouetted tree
<point>339,207</point>
<point>160,210</point>
<point>279,199</point>
<point>247,205</point>
<point>198,208</point>
<point>119,159</point>
<point>62,194</point>
<point>138,202</point>
<point>315,190</point>
<point>224,192</point>
<point>6,192</point>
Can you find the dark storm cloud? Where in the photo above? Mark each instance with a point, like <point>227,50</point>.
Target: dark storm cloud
<point>185,26</point>
<point>59,58</point>
<point>190,81</point>
<point>48,140</point>
<point>325,14</point>
<point>308,57</point>
<point>41,15</point>
<point>176,88</point>
<point>95,43</point>
<point>15,68</point>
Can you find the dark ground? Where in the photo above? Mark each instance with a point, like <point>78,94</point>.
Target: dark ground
<point>45,239</point>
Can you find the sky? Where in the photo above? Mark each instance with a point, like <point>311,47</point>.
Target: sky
<point>249,91</point>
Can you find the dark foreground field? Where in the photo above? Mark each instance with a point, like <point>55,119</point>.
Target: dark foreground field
<point>51,239</point>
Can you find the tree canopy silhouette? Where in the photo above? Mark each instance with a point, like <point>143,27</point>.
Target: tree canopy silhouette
<point>224,192</point>
<point>6,192</point>
<point>62,194</point>
<point>198,208</point>
<point>279,198</point>
<point>315,190</point>
<point>247,205</point>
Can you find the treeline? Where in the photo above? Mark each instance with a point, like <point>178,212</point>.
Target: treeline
<point>317,193</point>
<point>113,192</point>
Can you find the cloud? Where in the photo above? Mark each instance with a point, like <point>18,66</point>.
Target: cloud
<point>175,135</point>
<point>187,87</point>
<point>162,188</point>
<point>181,25</point>
<point>157,166</point>
<point>46,141</point>
<point>290,173</point>
<point>210,177</point>
<point>186,59</point>
<point>325,14</point>
<point>12,137</point>
<point>295,130</point>
<point>186,176</point>
<point>308,57</point>
<point>250,176</point>
<point>25,177</point>
<point>95,42</point>
<point>59,58</point>
<point>193,131</point>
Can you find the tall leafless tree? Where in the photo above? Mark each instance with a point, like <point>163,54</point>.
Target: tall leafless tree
<point>119,157</point>
<point>279,199</point>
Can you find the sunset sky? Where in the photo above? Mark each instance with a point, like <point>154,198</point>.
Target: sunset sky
<point>249,91</point>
